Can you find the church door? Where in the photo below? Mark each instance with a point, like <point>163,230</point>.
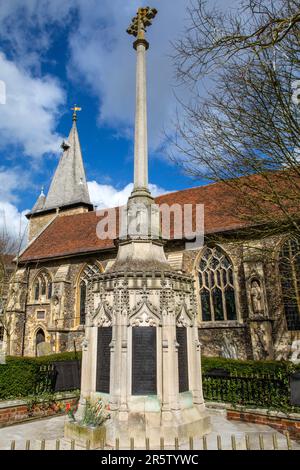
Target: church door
<point>40,338</point>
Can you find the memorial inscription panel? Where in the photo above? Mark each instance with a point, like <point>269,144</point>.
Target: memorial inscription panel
<point>103,359</point>
<point>144,361</point>
<point>183,371</point>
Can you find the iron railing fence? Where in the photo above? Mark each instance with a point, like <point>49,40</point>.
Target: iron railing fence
<point>267,391</point>
<point>59,376</point>
<point>262,391</point>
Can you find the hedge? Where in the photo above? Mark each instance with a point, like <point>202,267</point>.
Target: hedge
<point>261,384</point>
<point>20,376</point>
<point>278,369</point>
<point>251,383</point>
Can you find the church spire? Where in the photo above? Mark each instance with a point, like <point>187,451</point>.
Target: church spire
<point>69,186</point>
<point>40,203</point>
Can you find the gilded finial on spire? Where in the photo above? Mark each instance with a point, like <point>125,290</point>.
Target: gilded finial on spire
<point>75,109</point>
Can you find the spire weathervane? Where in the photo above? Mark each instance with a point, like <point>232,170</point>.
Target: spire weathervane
<point>75,109</point>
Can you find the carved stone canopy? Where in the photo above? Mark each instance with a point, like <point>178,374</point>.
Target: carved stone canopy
<point>102,316</point>
<point>145,314</point>
<point>184,317</point>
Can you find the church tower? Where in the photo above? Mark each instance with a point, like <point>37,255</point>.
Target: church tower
<point>68,192</point>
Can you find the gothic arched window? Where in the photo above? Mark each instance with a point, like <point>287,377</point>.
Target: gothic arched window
<point>42,287</point>
<point>217,297</point>
<point>83,289</point>
<point>88,272</point>
<point>289,268</point>
<point>37,290</point>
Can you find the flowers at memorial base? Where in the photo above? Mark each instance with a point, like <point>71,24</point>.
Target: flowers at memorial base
<point>95,413</point>
<point>71,410</point>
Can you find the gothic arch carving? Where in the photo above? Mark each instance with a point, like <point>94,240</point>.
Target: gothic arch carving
<point>103,315</point>
<point>145,314</point>
<point>184,316</point>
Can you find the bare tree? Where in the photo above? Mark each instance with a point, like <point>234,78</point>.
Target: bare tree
<point>10,247</point>
<point>244,131</point>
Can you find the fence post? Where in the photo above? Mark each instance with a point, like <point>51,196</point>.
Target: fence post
<point>288,441</point>
<point>247,439</point>
<point>43,444</point>
<point>147,443</point>
<point>219,442</point>
<point>162,443</point>
<point>72,444</point>
<point>261,442</point>
<point>117,443</point>
<point>191,443</point>
<point>57,444</point>
<point>233,442</point>
<point>176,443</point>
<point>275,442</point>
<point>13,445</point>
<point>131,443</point>
<point>88,445</point>
<point>204,443</point>
<point>27,445</point>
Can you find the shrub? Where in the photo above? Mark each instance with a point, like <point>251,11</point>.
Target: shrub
<point>263,384</point>
<point>21,376</point>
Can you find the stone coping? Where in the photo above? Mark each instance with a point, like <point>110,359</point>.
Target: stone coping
<point>13,403</point>
<point>145,274</point>
<point>221,324</point>
<point>258,411</point>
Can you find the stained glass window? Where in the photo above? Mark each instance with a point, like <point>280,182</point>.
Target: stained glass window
<point>289,267</point>
<point>82,302</point>
<point>88,273</point>
<point>217,296</point>
<point>37,290</point>
<point>42,287</point>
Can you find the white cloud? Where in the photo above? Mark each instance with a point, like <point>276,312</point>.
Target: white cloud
<point>106,196</point>
<point>29,26</point>
<point>103,57</point>
<point>29,116</point>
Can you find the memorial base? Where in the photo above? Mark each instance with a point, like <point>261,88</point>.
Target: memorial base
<point>82,434</point>
<point>148,423</point>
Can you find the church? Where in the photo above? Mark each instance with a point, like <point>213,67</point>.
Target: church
<point>243,311</point>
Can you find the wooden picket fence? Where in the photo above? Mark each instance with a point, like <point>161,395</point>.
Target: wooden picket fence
<point>193,444</point>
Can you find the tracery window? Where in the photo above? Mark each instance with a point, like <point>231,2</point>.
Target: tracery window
<point>217,296</point>
<point>88,272</point>
<point>42,287</point>
<point>289,268</point>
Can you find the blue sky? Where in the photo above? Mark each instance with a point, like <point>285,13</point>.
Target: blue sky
<point>54,53</point>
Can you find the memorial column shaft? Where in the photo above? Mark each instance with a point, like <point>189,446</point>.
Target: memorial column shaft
<point>141,133</point>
